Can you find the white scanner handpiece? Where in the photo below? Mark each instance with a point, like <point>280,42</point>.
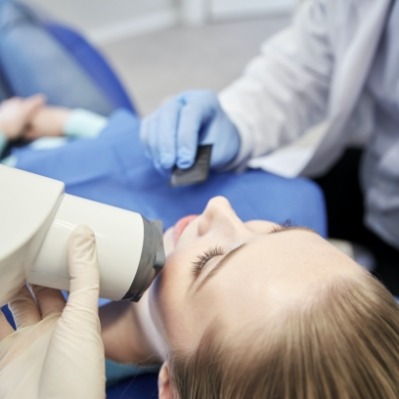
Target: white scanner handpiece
<point>36,221</point>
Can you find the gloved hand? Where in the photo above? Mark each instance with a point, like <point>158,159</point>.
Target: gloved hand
<point>56,351</point>
<point>172,134</point>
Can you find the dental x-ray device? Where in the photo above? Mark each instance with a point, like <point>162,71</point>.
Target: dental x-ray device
<point>36,220</point>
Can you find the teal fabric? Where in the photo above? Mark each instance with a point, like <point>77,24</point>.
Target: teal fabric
<point>80,124</point>
<point>83,123</point>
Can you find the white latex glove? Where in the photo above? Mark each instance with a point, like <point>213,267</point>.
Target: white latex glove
<point>56,351</point>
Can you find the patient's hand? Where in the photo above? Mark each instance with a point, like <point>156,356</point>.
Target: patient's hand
<point>16,112</point>
<point>48,121</point>
<point>56,351</point>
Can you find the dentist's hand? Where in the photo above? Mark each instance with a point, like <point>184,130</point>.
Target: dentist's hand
<point>172,134</point>
<point>56,351</point>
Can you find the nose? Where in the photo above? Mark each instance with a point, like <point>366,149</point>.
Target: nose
<point>219,214</point>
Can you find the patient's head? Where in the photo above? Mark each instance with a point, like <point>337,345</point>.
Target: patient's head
<point>259,310</point>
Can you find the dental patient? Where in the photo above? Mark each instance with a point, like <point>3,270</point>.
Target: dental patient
<point>240,310</point>
<point>32,120</point>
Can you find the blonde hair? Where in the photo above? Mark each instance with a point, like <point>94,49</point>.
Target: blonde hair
<point>343,345</point>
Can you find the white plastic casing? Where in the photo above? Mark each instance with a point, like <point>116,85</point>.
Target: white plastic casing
<point>119,238</point>
<point>36,221</point>
<point>27,205</point>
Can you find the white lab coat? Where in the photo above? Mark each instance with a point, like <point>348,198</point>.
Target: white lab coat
<point>296,100</point>
<point>331,76</point>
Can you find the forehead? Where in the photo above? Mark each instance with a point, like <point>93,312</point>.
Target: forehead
<point>284,263</point>
<point>271,274</point>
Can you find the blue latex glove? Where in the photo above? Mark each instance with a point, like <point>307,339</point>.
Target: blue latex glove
<point>172,134</point>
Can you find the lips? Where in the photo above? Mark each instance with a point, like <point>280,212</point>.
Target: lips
<point>180,227</point>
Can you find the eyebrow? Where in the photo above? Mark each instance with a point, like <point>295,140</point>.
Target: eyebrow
<point>234,251</point>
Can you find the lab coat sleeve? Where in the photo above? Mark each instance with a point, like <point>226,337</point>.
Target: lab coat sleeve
<point>284,90</point>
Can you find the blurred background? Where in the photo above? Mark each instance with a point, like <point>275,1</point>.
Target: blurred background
<point>161,47</point>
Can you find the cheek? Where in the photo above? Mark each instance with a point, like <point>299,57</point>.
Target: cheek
<point>170,292</point>
<point>180,314</point>
<point>168,241</point>
<point>165,312</point>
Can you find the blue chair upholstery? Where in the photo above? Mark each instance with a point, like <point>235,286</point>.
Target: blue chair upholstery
<point>140,387</point>
<point>93,62</point>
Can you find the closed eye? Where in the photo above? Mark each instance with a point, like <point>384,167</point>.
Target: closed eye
<point>204,258</point>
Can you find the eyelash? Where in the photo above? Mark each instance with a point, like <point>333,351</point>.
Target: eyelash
<point>210,253</point>
<point>286,223</point>
<point>205,257</point>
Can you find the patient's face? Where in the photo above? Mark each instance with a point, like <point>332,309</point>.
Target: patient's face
<point>220,269</point>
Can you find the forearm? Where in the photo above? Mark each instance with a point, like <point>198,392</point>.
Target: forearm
<point>285,90</point>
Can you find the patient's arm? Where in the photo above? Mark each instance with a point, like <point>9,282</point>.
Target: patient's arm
<point>49,121</point>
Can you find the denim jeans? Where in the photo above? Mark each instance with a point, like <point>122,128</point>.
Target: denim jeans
<point>32,61</point>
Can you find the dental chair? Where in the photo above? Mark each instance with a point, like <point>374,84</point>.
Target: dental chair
<point>92,61</point>
<point>125,178</point>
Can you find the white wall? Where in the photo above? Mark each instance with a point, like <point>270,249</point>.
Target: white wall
<point>197,12</point>
<point>222,9</point>
<point>97,13</point>
<point>104,21</point>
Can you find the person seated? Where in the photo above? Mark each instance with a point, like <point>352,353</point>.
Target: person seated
<point>240,310</point>
<point>28,72</point>
<point>26,120</point>
<point>32,61</point>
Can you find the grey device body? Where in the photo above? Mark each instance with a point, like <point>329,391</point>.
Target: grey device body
<point>151,261</point>
<point>129,248</point>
